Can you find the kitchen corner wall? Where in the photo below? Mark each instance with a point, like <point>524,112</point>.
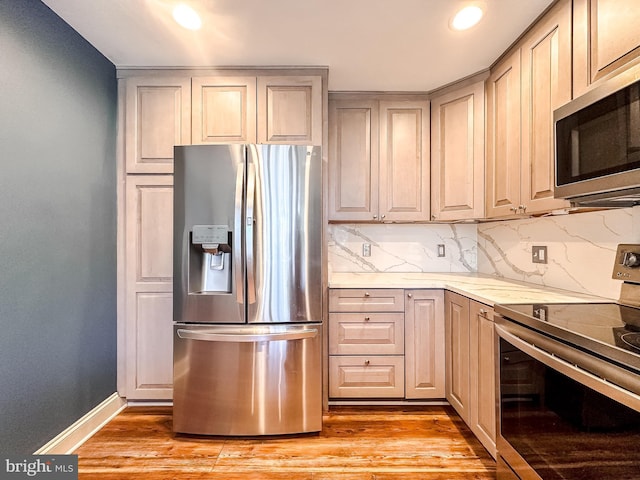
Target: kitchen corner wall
<point>581,248</point>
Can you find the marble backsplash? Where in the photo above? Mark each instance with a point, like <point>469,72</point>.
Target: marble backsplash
<point>402,248</point>
<point>580,248</point>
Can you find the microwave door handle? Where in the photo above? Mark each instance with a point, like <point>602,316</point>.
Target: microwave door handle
<point>239,337</point>
<point>250,240</point>
<point>237,235</point>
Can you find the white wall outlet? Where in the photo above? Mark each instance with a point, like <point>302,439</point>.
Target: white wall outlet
<point>366,249</point>
<point>441,250</point>
<point>539,254</point>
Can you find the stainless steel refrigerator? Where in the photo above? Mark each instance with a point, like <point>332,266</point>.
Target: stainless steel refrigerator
<point>247,289</point>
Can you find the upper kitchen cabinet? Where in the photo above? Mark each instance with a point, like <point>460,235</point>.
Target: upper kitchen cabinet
<point>605,38</point>
<point>523,90</point>
<point>223,110</point>
<point>379,158</point>
<point>503,138</point>
<point>546,85</point>
<point>457,152</point>
<point>353,159</point>
<point>157,117</point>
<point>290,110</point>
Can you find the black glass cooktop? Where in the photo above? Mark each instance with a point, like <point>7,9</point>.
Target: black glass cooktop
<point>610,330</point>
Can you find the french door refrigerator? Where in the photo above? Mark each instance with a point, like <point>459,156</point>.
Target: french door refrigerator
<point>247,289</point>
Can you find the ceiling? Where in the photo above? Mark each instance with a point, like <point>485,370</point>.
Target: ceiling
<point>385,45</point>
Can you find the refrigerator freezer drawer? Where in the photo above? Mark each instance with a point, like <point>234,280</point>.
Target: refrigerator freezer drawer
<point>247,380</point>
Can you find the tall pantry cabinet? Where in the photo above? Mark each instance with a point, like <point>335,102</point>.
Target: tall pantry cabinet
<point>160,109</point>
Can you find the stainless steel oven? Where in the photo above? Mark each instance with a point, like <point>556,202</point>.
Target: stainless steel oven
<point>568,388</point>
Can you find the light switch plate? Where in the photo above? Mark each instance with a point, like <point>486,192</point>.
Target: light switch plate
<point>539,254</point>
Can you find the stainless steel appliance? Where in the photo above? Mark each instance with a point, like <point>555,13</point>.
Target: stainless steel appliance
<point>247,289</point>
<point>568,385</point>
<point>597,144</point>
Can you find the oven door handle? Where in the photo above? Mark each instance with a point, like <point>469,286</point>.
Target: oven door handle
<point>608,379</point>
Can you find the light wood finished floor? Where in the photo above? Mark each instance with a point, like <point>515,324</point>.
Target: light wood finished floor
<point>361,443</point>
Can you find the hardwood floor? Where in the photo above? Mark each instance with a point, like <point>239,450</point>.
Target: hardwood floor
<point>430,443</point>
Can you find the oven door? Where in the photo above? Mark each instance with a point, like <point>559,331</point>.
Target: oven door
<point>558,418</point>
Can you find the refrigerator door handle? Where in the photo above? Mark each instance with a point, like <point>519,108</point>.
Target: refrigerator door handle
<point>250,222</point>
<point>237,235</point>
<point>237,337</point>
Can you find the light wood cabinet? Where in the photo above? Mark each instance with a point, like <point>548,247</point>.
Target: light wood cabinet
<point>366,343</point>
<point>290,109</point>
<point>386,343</point>
<point>471,365</point>
<point>482,371</point>
<point>457,152</point>
<point>546,85</point>
<point>458,388</point>
<point>223,110</point>
<point>149,296</point>
<point>157,117</point>
<point>378,158</point>
<point>424,344</point>
<point>606,37</point>
<point>404,161</point>
<point>353,159</point>
<point>522,92</point>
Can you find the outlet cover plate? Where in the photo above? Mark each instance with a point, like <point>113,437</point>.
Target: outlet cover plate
<point>539,254</point>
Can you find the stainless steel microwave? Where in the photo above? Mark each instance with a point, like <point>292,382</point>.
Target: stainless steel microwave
<point>597,144</point>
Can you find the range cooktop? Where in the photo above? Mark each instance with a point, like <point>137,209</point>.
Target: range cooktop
<point>610,330</point>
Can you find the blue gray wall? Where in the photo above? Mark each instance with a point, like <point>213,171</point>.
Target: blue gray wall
<point>57,226</point>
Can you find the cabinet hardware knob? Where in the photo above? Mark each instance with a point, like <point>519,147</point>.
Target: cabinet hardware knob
<point>382,216</point>
<point>524,208</point>
<point>409,295</point>
<point>514,209</point>
<point>375,216</point>
<point>433,217</point>
<point>366,319</point>
<point>366,294</point>
<point>483,312</point>
<point>366,362</point>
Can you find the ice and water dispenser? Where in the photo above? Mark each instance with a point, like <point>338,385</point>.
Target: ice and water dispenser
<point>210,259</point>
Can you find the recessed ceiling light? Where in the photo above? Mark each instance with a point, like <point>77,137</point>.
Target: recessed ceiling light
<point>187,17</point>
<point>467,17</point>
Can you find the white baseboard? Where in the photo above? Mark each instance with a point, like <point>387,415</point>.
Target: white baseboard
<point>78,433</point>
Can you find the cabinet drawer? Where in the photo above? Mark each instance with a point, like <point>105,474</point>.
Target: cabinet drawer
<point>366,333</point>
<point>366,300</point>
<point>366,376</point>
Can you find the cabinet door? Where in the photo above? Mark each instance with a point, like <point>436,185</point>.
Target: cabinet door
<point>424,344</point>
<point>605,37</point>
<point>157,117</point>
<point>457,154</point>
<point>457,353</point>
<point>148,295</point>
<point>373,376</point>
<point>223,110</point>
<point>503,138</point>
<point>482,412</point>
<point>546,85</point>
<point>290,110</point>
<point>404,161</point>
<point>353,164</point>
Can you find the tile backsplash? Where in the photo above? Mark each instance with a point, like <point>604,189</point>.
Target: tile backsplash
<point>402,248</point>
<point>580,248</point>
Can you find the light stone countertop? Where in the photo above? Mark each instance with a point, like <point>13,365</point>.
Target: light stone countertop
<point>486,289</point>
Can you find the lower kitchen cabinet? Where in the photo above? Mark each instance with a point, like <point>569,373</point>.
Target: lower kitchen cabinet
<point>382,347</point>
<point>470,365</point>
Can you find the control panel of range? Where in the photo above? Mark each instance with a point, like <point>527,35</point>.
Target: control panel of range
<point>627,264</point>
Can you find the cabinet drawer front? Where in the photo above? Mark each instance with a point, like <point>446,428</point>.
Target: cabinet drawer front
<point>366,333</point>
<point>366,300</point>
<point>366,377</point>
